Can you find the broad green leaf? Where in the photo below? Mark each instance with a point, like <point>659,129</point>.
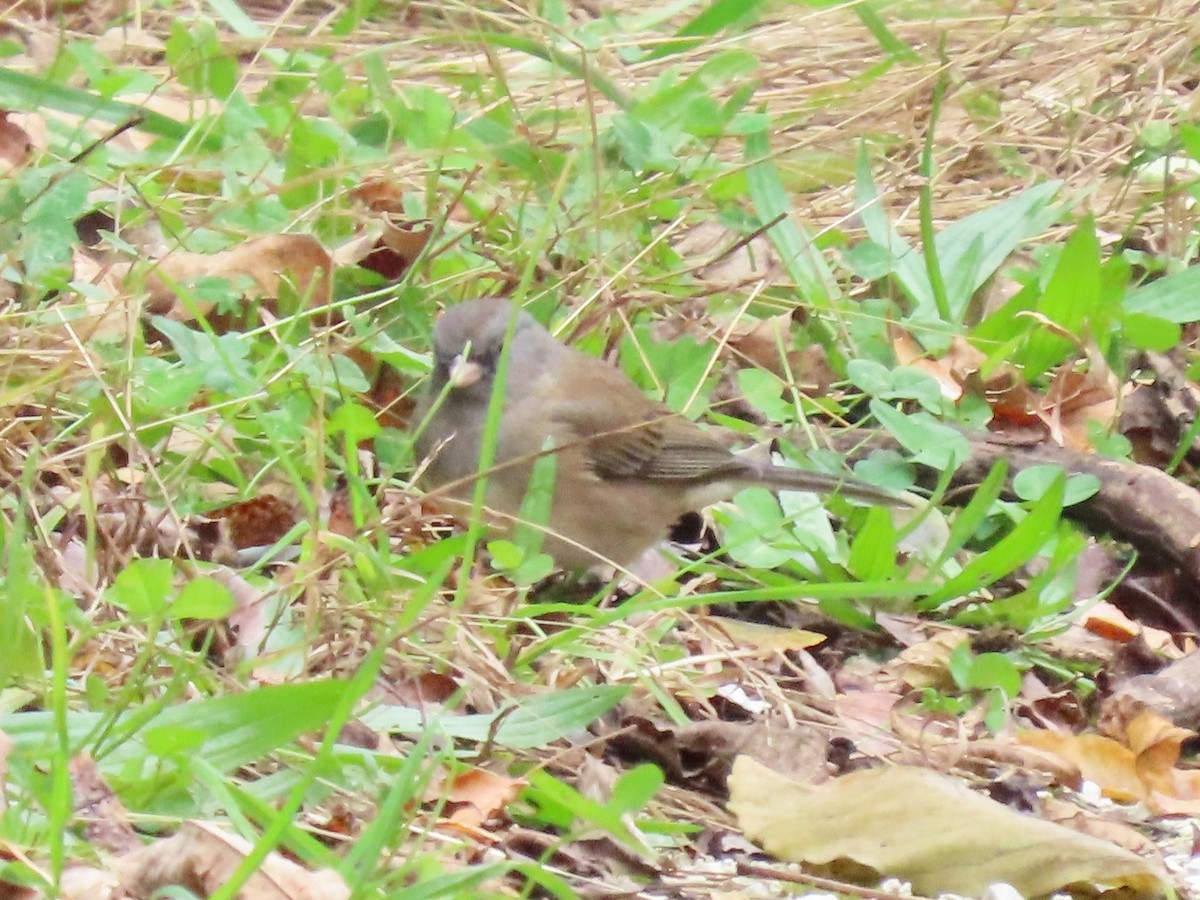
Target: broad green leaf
<point>1175,298</point>
<point>202,598</point>
<point>967,521</point>
<point>21,591</point>
<point>928,440</point>
<point>1032,483</point>
<point>796,247</point>
<point>546,790</point>
<point>31,93</point>
<point>1070,300</point>
<point>636,788</point>
<point>1150,332</point>
<point>222,358</point>
<point>530,722</point>
<point>846,611</point>
<point>892,252</point>
<point>1013,550</point>
<point>355,421</point>
<point>969,251</point>
<point>887,39</point>
<point>753,533</point>
<point>762,389</point>
<point>240,728</point>
<point>972,249</point>
<point>873,553</point>
<point>141,588</point>
<point>994,670</point>
<point>717,16</point>
<point>232,730</point>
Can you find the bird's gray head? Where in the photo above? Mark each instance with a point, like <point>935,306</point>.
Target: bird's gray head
<point>468,339</point>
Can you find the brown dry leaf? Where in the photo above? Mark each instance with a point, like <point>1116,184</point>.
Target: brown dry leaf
<point>105,822</point>
<point>767,343</point>
<point>1107,621</point>
<point>1013,403</point>
<point>477,795</point>
<point>1100,760</point>
<point>1076,398</point>
<point>402,241</point>
<point>927,829</point>
<point>1071,816</point>
<point>246,627</point>
<point>269,262</point>
<point>393,241</point>
<point>1036,766</point>
<point>950,372</point>
<point>426,690</point>
<point>257,522</point>
<point>865,717</point>
<point>927,665</point>
<point>699,755</point>
<point>202,857</point>
<point>380,194</point>
<point>1145,770</point>
<point>15,143</point>
<point>86,883</point>
<point>1156,744</point>
<point>722,257</point>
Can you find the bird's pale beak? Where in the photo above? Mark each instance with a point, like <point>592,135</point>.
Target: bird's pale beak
<point>464,372</point>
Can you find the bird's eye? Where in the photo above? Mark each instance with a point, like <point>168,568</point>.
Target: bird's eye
<point>487,357</point>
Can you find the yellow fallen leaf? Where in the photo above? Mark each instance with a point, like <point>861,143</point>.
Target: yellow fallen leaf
<point>764,637</point>
<point>926,828</point>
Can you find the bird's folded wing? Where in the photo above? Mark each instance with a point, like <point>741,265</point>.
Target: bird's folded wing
<point>645,441</point>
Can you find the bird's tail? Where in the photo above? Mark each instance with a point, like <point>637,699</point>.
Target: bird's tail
<point>789,479</point>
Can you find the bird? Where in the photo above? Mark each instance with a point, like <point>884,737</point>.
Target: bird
<point>626,466</point>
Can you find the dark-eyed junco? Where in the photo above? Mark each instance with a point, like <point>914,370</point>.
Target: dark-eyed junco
<point>626,466</point>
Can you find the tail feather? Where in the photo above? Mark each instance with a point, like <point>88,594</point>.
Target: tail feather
<point>786,478</point>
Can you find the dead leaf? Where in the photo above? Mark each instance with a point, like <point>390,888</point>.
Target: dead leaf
<point>927,665</point>
<point>1076,399</point>
<point>766,343</point>
<point>950,371</point>
<point>202,857</point>
<point>927,829</point>
<point>87,883</point>
<point>257,522</point>
<point>402,241</point>
<point>15,143</point>
<point>1156,744</point>
<point>105,821</point>
<point>723,257</point>
<point>1107,621</point>
<point>699,755</point>
<point>428,690</point>
<point>1071,816</point>
<point>268,262</point>
<point>1145,770</point>
<point>477,795</point>
<point>766,638</point>
<point>1100,760</point>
